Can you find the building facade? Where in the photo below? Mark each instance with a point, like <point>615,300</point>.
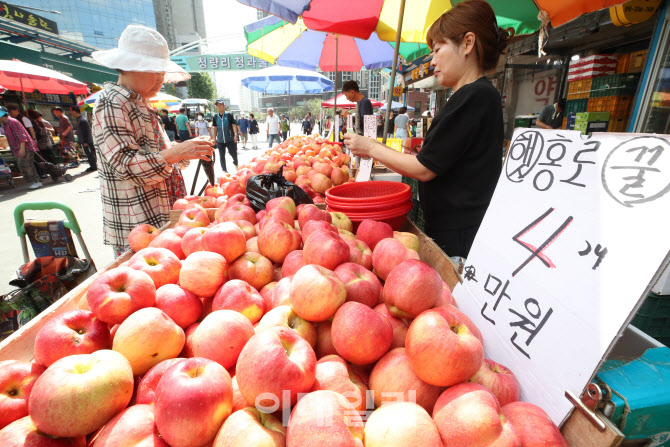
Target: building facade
<point>96,22</point>
<point>181,22</point>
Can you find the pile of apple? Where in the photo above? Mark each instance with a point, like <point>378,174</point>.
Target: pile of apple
<point>313,164</point>
<point>248,332</point>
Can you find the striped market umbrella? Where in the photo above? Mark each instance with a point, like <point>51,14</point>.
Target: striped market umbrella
<point>160,101</point>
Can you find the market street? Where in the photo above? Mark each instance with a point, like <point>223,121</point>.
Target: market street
<point>83,196</point>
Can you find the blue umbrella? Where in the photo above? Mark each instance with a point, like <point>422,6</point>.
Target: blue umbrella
<point>396,105</point>
<point>282,80</point>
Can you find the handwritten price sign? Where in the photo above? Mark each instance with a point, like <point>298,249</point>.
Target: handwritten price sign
<point>574,236</point>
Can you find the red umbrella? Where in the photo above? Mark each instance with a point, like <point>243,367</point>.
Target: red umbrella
<point>344,103</point>
<point>23,77</point>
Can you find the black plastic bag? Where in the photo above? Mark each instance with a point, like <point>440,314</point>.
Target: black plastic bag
<point>265,187</point>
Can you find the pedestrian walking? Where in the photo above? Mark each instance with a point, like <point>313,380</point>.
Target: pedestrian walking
<point>85,137</point>
<point>253,130</point>
<point>201,126</point>
<point>44,133</point>
<point>243,126</point>
<point>224,129</point>
<point>183,126</point>
<point>168,124</point>
<point>285,127</point>
<point>272,126</point>
<point>23,147</point>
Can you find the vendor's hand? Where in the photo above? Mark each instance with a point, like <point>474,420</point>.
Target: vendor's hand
<point>199,148</point>
<point>359,145</point>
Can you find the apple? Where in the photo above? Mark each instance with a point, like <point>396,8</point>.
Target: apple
<point>401,424</point>
<point>334,373</point>
<point>134,426</point>
<point>277,239</point>
<point>23,433</point>
<point>280,214</point>
<point>312,226</point>
<point>409,240</point>
<point>148,337</point>
<point>499,380</point>
<point>181,230</point>
<point>225,239</point>
<point>316,293</point>
<point>362,285</point>
<point>192,240</point>
<point>311,212</point>
<point>180,204</point>
<point>326,249</point>
<point>281,294</point>
<point>73,332</point>
<point>388,254</point>
<point>221,201</point>
<point>119,292</point>
<point>321,183</point>
<point>252,245</point>
<point>323,168</point>
<point>193,399</point>
<point>205,202</point>
<point>203,273</point>
<point>221,336</point>
<point>286,317</point>
<point>214,191</point>
<point>359,253</point>
<point>254,268</point>
<point>266,293</point>
<point>360,335</point>
<point>400,326</point>
<point>468,322</point>
<point>187,352</point>
<point>78,394</point>
<point>284,202</point>
<point>194,217</point>
<point>341,221</point>
<point>247,228</point>
<point>239,296</point>
<point>141,236</point>
<point>233,188</point>
<point>371,232</point>
<point>146,390</point>
<point>532,425</point>
<point>274,366</point>
<point>16,382</point>
<point>324,340</point>
<point>238,400</point>
<point>441,348</point>
<point>250,427</point>
<point>236,211</point>
<point>171,240</point>
<point>467,414</point>
<point>445,298</point>
<point>160,263</point>
<point>410,288</point>
<point>324,418</point>
<point>393,380</point>
<point>239,198</point>
<point>293,262</point>
<point>182,306</point>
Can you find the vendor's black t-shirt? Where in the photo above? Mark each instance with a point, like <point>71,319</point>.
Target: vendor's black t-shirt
<point>464,148</point>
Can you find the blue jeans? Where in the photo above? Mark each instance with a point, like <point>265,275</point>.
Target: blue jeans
<point>184,135</point>
<point>170,134</point>
<point>272,138</point>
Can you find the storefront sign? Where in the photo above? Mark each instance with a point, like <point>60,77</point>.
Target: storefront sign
<point>16,14</point>
<point>397,91</point>
<point>67,100</point>
<point>633,12</point>
<point>220,62</point>
<point>569,247</point>
<point>421,71</point>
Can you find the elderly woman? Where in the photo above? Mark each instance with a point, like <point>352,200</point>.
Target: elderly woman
<point>137,164</point>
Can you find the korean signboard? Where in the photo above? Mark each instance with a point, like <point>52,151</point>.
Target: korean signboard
<point>220,62</point>
<point>67,100</point>
<point>16,14</point>
<point>574,236</point>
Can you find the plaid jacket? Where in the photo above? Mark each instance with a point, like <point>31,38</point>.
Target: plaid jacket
<point>16,134</point>
<point>132,172</point>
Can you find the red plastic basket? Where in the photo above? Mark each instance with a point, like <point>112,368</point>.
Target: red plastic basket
<point>368,207</point>
<point>395,218</point>
<point>366,192</point>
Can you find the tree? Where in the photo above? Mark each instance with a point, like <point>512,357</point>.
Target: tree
<point>170,89</point>
<point>201,86</point>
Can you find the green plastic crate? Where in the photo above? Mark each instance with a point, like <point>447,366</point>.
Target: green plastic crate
<point>653,318</point>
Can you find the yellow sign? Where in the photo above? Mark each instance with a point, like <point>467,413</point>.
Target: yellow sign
<point>633,12</point>
<point>397,91</point>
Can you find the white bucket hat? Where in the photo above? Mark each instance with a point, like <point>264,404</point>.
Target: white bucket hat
<point>142,49</point>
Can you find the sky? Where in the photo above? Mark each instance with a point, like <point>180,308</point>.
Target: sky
<point>227,18</point>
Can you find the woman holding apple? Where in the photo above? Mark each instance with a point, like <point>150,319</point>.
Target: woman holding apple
<point>461,158</point>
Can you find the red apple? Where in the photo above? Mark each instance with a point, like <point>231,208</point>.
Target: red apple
<point>445,297</point>
<point>183,307</point>
<point>221,336</point>
<point>187,352</point>
<point>341,221</point>
<point>279,213</point>
<point>326,249</point>
<point>23,433</point>
<point>254,268</point>
<point>250,427</point>
<point>203,273</point>
<point>192,240</point>
<point>468,322</point>
<point>360,335</point>
<point>148,337</point>
<point>392,380</point>
<point>400,326</point>
<point>247,228</point>
<point>239,296</point>
<point>499,380</point>
<point>194,217</point>
<point>160,263</point>
<point>277,239</point>
<point>532,425</point>
<point>362,285</point>
<point>225,239</point>
<point>141,236</point>
<point>180,204</point>
<point>146,390</point>
<point>401,424</point>
<point>280,294</point>
<point>286,317</point>
<point>193,399</point>
<point>410,288</point>
<point>134,426</point>
<point>283,202</point>
<point>467,414</point>
<point>360,253</point>
<point>266,294</point>
<point>238,400</point>
<point>239,198</point>
<point>235,212</point>
<point>313,226</point>
<point>171,240</point>
<point>78,394</point>
<point>73,332</point>
<point>324,340</point>
<point>371,232</point>
<point>16,382</point>
<point>333,373</point>
<point>252,245</point>
<point>388,254</point>
<point>339,176</point>
<point>119,292</point>
<point>316,293</point>
<point>233,188</point>
<point>324,418</point>
<point>311,212</point>
<point>181,230</point>
<point>293,262</point>
<point>274,366</point>
<point>441,348</point>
